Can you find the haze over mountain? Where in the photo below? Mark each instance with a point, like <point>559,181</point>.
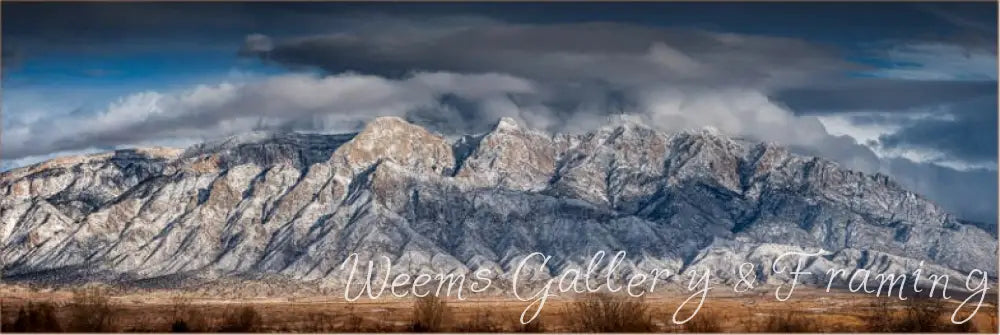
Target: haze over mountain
<point>905,89</point>
<point>293,206</point>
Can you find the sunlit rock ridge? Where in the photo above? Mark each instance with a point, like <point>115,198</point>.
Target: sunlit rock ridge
<point>293,206</point>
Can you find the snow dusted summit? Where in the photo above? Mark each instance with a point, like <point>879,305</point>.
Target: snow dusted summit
<point>294,206</point>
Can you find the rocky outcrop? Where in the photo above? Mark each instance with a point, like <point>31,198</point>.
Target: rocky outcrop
<point>509,156</point>
<point>295,205</point>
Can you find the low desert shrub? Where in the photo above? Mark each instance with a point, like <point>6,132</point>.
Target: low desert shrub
<point>429,314</point>
<point>788,322</point>
<point>243,319</point>
<point>353,321</point>
<point>916,315</point>
<point>34,317</point>
<point>603,313</point>
<point>186,318</point>
<point>91,311</point>
<point>482,321</point>
<point>515,325</point>
<point>320,322</point>
<point>704,322</point>
<point>535,326</point>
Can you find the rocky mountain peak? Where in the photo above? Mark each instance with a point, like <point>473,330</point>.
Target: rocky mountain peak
<point>507,124</point>
<point>406,144</point>
<point>388,125</point>
<point>510,156</point>
<point>294,205</point>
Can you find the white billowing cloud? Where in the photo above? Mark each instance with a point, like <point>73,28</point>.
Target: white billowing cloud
<point>565,77</point>
<point>578,70</point>
<point>673,60</point>
<point>342,103</point>
<point>870,128</point>
<point>751,114</point>
<point>297,101</point>
<point>733,111</point>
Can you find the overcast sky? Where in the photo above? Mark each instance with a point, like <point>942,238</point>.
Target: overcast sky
<point>905,89</point>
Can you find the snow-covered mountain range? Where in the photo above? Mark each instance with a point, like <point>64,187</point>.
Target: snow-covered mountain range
<point>293,206</point>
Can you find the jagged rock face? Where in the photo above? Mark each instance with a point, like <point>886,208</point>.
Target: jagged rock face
<point>509,157</point>
<point>263,149</point>
<point>295,205</point>
<point>391,138</point>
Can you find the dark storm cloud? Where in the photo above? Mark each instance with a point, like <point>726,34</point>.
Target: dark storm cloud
<point>617,53</point>
<point>624,57</point>
<point>970,134</point>
<point>563,70</point>
<point>956,119</point>
<point>86,28</point>
<point>599,66</point>
<point>10,58</point>
<point>104,28</point>
<point>881,94</point>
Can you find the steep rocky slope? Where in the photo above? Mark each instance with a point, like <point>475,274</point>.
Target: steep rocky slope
<point>294,206</point>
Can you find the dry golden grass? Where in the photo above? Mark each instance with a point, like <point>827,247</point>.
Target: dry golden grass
<point>914,316</point>
<point>607,313</point>
<point>788,322</point>
<point>705,321</point>
<point>35,310</point>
